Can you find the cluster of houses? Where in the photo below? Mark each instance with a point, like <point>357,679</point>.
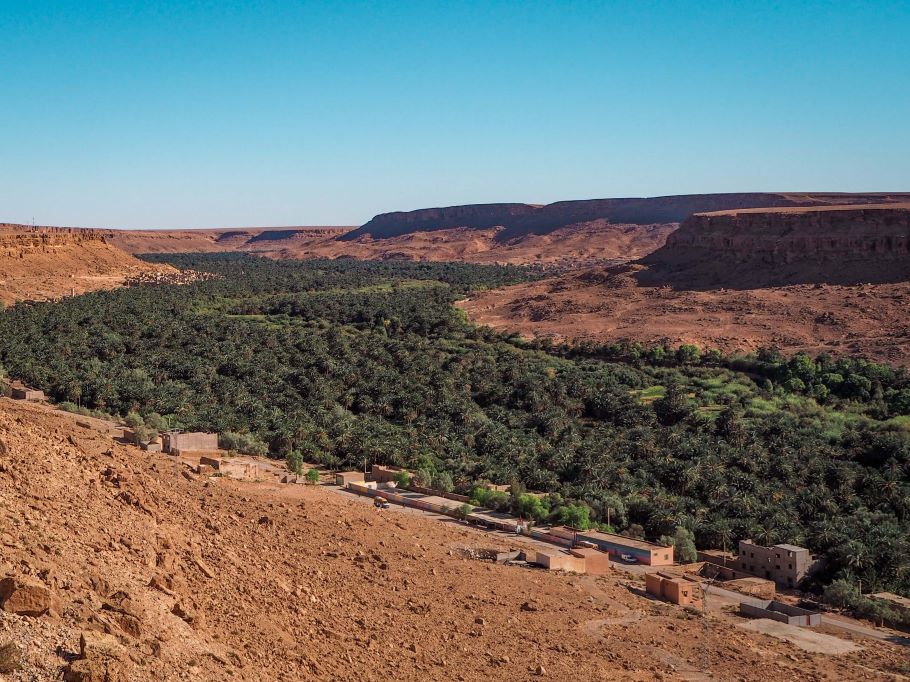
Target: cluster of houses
<point>755,570</point>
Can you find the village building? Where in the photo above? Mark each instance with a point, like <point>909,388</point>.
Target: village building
<point>23,393</point>
<point>596,562</point>
<point>673,588</point>
<point>728,578</point>
<point>385,474</point>
<point>557,560</point>
<point>342,478</point>
<point>648,553</point>
<point>785,564</point>
<point>174,442</point>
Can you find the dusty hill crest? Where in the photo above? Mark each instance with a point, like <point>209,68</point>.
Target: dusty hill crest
<point>50,262</point>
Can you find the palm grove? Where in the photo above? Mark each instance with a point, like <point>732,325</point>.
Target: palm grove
<point>342,362</point>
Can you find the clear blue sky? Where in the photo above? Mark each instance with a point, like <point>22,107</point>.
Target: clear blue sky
<point>195,113</point>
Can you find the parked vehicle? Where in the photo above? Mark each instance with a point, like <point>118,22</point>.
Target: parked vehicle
<point>628,559</point>
<point>380,503</point>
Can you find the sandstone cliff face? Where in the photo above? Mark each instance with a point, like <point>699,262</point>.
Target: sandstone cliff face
<point>786,236</point>
<point>822,244</point>
<point>17,240</point>
<point>50,262</point>
<point>521,220</point>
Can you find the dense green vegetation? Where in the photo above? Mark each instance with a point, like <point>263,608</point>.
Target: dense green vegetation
<point>345,361</point>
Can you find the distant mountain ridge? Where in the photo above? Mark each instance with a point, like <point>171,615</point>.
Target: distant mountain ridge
<point>520,220</point>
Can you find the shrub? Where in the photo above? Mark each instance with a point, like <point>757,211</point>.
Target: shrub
<point>242,443</point>
<point>295,462</point>
<point>312,476</point>
<point>403,479</point>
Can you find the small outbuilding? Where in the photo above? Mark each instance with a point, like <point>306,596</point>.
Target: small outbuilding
<point>22,393</point>
<point>342,478</point>
<point>596,562</point>
<point>174,442</point>
<point>673,588</point>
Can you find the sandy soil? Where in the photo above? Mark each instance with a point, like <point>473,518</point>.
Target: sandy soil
<point>212,579</point>
<point>610,304</point>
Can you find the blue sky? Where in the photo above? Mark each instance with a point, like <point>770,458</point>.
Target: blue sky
<point>205,114</point>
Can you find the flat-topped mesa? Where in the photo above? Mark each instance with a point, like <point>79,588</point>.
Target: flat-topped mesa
<point>477,216</point>
<point>522,220</point>
<point>836,233</point>
<point>27,237</point>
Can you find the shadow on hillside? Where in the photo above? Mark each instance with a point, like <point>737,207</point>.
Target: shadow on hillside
<point>665,269</point>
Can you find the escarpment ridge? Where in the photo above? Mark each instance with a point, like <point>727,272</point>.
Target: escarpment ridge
<point>850,244</point>
<point>50,262</point>
<point>520,220</point>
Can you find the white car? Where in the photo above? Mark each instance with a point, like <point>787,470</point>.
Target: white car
<point>628,559</point>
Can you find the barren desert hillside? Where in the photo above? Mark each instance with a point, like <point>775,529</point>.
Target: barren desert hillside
<point>119,564</point>
<point>585,243</point>
<point>833,279</point>
<point>50,262</point>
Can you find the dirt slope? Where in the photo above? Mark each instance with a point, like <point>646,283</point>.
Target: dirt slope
<point>49,262</point>
<point>610,304</point>
<point>212,579</point>
<point>830,279</point>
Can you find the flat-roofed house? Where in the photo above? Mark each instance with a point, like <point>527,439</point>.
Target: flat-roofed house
<point>673,588</point>
<point>174,442</point>
<point>648,553</point>
<point>785,564</point>
<point>22,393</point>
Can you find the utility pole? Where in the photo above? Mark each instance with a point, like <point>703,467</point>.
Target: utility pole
<point>706,649</point>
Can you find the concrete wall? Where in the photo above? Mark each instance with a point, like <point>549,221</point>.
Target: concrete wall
<point>439,493</point>
<point>783,613</point>
<point>189,442</point>
<point>342,478</point>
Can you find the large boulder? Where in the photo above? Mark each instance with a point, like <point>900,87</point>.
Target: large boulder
<point>26,598</point>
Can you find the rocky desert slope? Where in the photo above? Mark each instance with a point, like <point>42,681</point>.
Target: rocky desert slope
<point>50,262</point>
<point>123,565</point>
<point>834,279</point>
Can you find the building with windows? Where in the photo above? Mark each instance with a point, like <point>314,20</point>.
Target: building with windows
<point>786,565</point>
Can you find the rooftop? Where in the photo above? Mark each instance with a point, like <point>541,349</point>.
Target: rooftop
<point>792,548</point>
<point>620,540</point>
